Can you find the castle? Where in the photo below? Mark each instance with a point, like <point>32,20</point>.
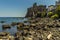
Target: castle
<point>41,10</point>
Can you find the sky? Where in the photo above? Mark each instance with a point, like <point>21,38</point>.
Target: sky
<point>18,8</point>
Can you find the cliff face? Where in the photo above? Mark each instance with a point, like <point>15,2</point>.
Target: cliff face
<point>36,11</point>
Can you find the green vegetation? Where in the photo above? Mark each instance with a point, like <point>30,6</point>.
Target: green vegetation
<point>41,11</point>
<point>58,10</point>
<point>55,16</point>
<point>50,14</point>
<point>40,14</point>
<point>43,14</point>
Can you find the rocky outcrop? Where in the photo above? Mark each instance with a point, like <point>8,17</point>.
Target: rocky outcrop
<point>36,11</point>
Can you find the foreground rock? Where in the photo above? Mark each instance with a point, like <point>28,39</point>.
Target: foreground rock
<point>20,26</point>
<point>6,36</point>
<point>44,29</point>
<point>28,38</point>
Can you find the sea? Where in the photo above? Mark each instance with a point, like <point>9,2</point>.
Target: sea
<point>9,20</point>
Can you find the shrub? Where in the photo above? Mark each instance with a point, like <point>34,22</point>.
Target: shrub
<point>43,14</point>
<point>50,14</point>
<point>55,16</point>
<point>38,14</point>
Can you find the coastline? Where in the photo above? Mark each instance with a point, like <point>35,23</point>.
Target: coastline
<point>38,29</point>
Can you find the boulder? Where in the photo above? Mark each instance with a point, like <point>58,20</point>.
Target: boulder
<point>4,34</point>
<point>49,36</point>
<point>19,23</point>
<point>17,34</point>
<point>6,26</point>
<point>2,21</point>
<point>11,38</point>
<point>13,23</point>
<point>28,38</point>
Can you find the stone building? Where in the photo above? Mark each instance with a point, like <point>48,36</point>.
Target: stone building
<point>51,8</point>
<point>36,11</point>
<point>58,2</point>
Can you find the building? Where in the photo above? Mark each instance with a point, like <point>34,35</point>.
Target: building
<point>58,5</point>
<point>41,10</point>
<point>58,2</point>
<point>36,10</point>
<point>51,8</point>
<point>32,10</point>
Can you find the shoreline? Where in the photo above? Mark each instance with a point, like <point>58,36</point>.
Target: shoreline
<point>38,29</point>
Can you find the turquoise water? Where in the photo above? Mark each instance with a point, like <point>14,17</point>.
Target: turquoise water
<point>9,20</point>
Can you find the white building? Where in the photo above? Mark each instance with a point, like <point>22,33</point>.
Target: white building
<point>51,8</point>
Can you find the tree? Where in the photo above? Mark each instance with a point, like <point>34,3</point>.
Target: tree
<point>55,16</point>
<point>58,10</point>
<point>43,14</point>
<point>50,14</point>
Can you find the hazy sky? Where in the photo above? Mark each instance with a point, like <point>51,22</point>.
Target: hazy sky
<point>18,8</point>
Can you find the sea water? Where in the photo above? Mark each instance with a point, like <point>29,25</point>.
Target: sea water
<point>9,20</point>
